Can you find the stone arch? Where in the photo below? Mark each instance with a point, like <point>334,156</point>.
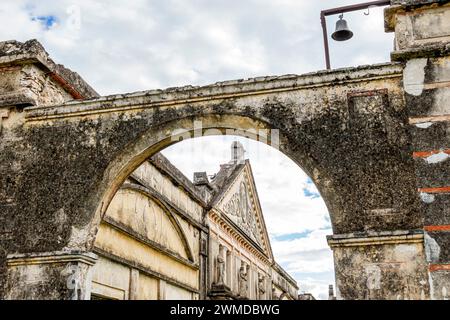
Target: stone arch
<point>51,192</point>
<point>156,139</point>
<point>347,129</point>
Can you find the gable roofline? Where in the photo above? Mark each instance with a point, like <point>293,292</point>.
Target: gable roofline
<point>229,181</point>
<point>258,203</point>
<point>177,177</point>
<point>221,190</point>
<point>283,272</point>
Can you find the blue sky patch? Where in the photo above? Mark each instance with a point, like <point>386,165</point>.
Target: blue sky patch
<point>292,236</point>
<point>307,192</point>
<point>46,21</point>
<point>310,194</point>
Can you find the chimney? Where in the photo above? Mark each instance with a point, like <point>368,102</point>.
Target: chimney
<point>237,153</point>
<point>200,178</point>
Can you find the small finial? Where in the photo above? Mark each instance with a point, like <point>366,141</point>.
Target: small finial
<point>200,178</point>
<point>237,152</point>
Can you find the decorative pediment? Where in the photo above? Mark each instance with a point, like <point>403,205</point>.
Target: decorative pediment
<point>240,204</point>
<point>240,210</point>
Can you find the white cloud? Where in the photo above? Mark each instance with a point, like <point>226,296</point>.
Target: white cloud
<point>315,241</point>
<point>309,260</point>
<point>279,180</point>
<point>121,46</point>
<point>317,287</point>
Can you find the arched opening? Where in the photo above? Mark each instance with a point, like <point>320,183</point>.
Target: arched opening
<point>341,132</point>
<point>296,216</point>
<point>259,284</point>
<point>353,154</point>
<point>157,138</point>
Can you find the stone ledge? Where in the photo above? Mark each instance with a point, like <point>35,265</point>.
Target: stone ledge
<point>21,259</point>
<point>222,292</point>
<point>417,2</point>
<point>431,50</point>
<point>218,91</point>
<point>375,238</point>
<point>17,98</point>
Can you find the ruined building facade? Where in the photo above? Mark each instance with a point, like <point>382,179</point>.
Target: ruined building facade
<point>374,140</point>
<point>164,237</point>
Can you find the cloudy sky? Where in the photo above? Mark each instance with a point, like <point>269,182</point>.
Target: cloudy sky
<point>123,46</point>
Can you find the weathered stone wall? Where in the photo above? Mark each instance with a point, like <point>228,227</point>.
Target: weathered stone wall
<point>423,44</point>
<point>392,267</point>
<point>429,107</point>
<point>353,131</point>
<point>29,85</point>
<point>342,127</point>
<point>54,275</point>
<point>28,78</point>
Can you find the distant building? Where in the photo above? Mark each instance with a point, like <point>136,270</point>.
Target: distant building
<point>306,296</point>
<point>331,295</point>
<point>164,237</point>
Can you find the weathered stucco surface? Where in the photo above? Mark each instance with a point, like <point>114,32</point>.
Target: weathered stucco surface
<point>59,275</point>
<point>380,265</point>
<point>367,136</point>
<point>346,128</point>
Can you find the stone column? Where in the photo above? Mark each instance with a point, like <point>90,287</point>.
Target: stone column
<point>203,265</point>
<point>161,290</point>
<point>380,265</point>
<point>422,44</point>
<point>58,275</point>
<point>134,284</point>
